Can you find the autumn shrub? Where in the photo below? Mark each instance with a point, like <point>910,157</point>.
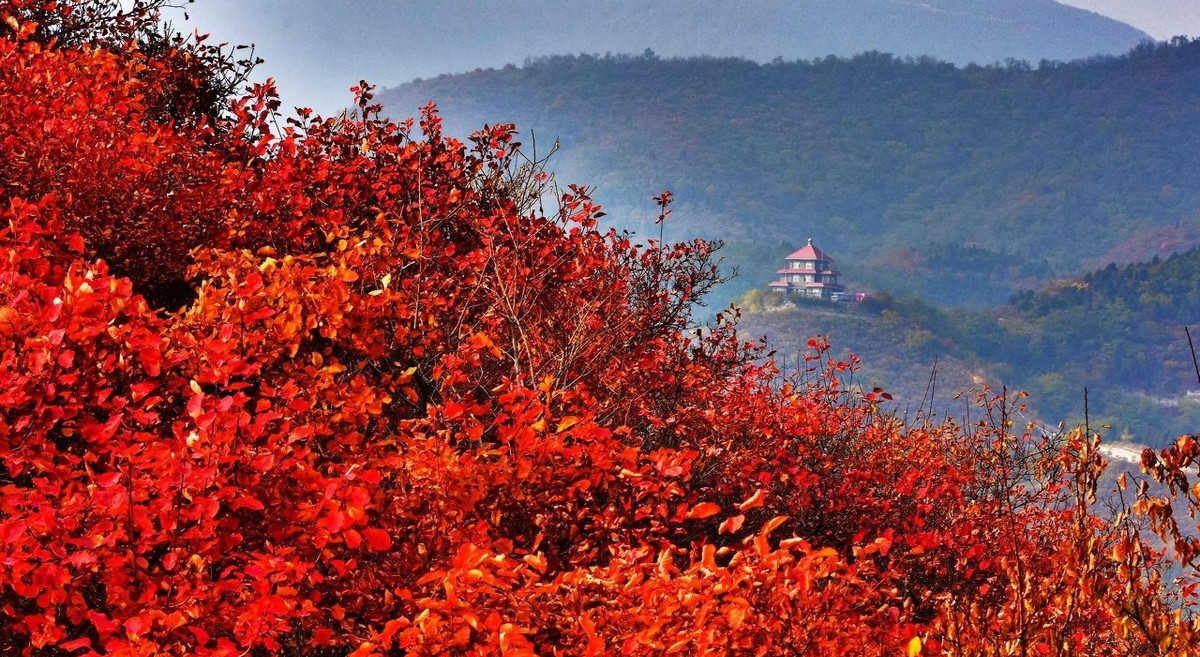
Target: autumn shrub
<point>313,386</point>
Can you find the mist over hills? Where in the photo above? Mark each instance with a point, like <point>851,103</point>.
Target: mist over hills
<point>960,184</point>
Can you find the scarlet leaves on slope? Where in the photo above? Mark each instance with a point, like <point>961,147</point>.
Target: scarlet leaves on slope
<point>400,411</point>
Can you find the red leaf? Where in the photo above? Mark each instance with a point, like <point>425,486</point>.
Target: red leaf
<point>704,510</point>
<point>134,627</point>
<point>333,521</point>
<point>13,530</point>
<point>377,539</point>
<point>390,629</point>
<point>264,461</point>
<point>195,406</point>
<point>81,558</point>
<point>246,502</point>
<point>201,635</point>
<point>76,644</point>
<point>322,636</point>
<point>142,389</point>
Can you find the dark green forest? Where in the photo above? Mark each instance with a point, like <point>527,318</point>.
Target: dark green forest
<point>1118,331</point>
<point>959,185</point>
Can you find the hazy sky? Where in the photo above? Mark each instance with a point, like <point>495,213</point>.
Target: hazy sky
<point>316,51</point>
<point>1161,19</point>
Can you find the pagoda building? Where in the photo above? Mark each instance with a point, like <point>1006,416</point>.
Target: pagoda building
<point>809,272</point>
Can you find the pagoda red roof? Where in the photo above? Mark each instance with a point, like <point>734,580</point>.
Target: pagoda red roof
<point>808,252</point>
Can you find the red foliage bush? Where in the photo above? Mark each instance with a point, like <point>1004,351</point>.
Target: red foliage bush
<point>329,387</point>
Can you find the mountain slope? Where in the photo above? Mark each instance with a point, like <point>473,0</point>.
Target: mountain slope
<point>1117,331</point>
<point>963,185</point>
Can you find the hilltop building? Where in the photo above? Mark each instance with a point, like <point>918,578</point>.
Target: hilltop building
<point>809,272</point>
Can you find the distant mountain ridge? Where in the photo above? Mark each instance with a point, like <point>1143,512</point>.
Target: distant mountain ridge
<point>961,185</point>
<point>961,31</point>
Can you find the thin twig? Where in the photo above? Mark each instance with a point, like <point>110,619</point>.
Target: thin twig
<point>1087,422</point>
<point>929,392</point>
<point>1193,348</point>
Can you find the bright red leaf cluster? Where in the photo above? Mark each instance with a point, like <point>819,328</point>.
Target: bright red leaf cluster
<point>339,387</point>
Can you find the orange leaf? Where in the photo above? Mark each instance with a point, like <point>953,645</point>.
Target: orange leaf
<point>432,576</point>
<point>754,501</point>
<point>703,510</point>
<point>772,525</point>
<point>732,524</point>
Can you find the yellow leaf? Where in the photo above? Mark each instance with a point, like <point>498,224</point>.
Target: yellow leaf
<point>914,647</point>
<point>566,423</point>
<point>538,561</point>
<point>677,646</point>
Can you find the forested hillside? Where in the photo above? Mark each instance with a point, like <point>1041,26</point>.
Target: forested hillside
<point>1118,331</point>
<point>962,185</point>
